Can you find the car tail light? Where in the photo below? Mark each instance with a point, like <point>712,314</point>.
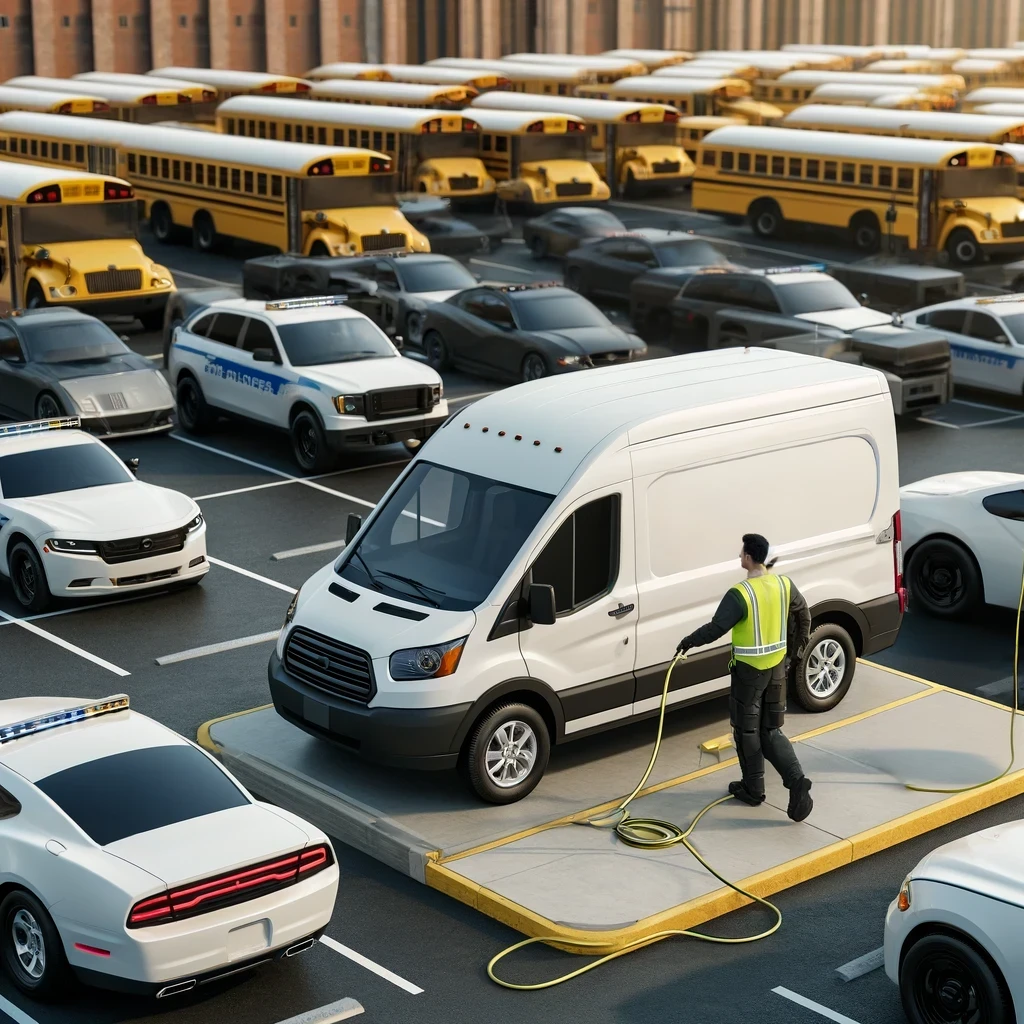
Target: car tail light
<point>897,560</point>
<point>321,167</point>
<point>231,888</point>
<point>149,101</point>
<point>183,97</point>
<point>114,190</point>
<point>50,194</point>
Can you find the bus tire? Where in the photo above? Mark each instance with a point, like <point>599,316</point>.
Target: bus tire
<point>204,233</point>
<point>866,231</point>
<point>318,248</point>
<point>34,297</point>
<point>152,321</point>
<point>963,248</point>
<point>765,218</point>
<point>161,222</point>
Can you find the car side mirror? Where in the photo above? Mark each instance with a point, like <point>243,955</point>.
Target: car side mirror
<point>133,465</point>
<point>1001,339</point>
<point>264,355</point>
<point>863,298</point>
<point>352,526</point>
<point>542,604</point>
<point>124,338</point>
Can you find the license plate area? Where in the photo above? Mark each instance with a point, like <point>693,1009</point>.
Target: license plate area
<point>249,939</point>
<point>316,713</point>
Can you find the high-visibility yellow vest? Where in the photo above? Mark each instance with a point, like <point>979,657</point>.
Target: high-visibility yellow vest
<point>760,639</point>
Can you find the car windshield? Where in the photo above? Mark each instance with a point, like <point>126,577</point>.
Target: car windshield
<point>557,312</point>
<point>443,538</point>
<point>316,342</point>
<point>70,467</point>
<point>435,276</point>
<point>121,795</point>
<point>814,297</point>
<point>70,341</point>
<point>597,220</point>
<point>1015,325</point>
<point>696,253</point>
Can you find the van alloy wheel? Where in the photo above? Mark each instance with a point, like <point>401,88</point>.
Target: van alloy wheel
<point>511,753</point>
<point>826,665</point>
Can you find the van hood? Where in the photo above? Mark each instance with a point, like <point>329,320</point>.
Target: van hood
<point>361,375</point>
<point>847,319</point>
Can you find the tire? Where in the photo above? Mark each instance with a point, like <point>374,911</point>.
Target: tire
<point>944,579</point>
<point>34,297</point>
<point>414,328</point>
<point>962,248</point>
<point>436,351</point>
<point>866,232</point>
<point>534,367</point>
<point>168,337</point>
<point>309,443</point>
<point>33,953</point>
<point>204,233</point>
<point>28,578</point>
<point>823,673</point>
<point>319,249</point>
<point>942,978</point>
<point>519,731</point>
<point>152,321</point>
<point>194,415</point>
<point>49,407</point>
<point>538,247</point>
<point>765,218</point>
<point>160,222</point>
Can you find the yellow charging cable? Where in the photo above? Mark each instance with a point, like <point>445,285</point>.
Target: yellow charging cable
<point>1013,717</point>
<point>645,834</point>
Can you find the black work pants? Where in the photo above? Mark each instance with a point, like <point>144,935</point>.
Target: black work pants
<point>757,709</point>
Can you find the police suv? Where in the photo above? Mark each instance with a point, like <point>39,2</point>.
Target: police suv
<point>313,367</point>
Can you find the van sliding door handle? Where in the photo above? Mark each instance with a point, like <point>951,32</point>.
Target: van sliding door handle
<point>623,609</point>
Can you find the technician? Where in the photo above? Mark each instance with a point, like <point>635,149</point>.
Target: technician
<point>765,613</point>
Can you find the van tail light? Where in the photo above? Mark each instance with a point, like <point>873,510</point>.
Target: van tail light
<point>897,561</point>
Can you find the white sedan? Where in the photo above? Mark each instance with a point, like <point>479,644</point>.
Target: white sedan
<point>952,935</point>
<point>76,522</point>
<point>136,862</point>
<point>963,538</point>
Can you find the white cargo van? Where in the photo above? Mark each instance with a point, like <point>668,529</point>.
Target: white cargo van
<point>526,579</point>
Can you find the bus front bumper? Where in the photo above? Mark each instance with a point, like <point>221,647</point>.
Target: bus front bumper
<point>140,304</point>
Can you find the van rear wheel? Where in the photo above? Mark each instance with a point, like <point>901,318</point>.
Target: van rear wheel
<point>824,669</point>
<point>507,753</point>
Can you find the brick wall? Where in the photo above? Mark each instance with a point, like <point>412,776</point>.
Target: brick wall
<point>180,33</point>
<point>62,37</point>
<point>120,36</point>
<point>238,35</point>
<point>16,37</point>
<point>293,36</point>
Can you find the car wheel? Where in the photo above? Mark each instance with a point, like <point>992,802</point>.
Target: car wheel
<point>765,218</point>
<point>436,350</point>
<point>153,321</point>
<point>318,248</point>
<point>169,337</point>
<point>414,328</point>
<point>309,444</point>
<point>507,753</point>
<point>48,407</point>
<point>161,222</point>
<point>34,297</point>
<point>538,247</point>
<point>824,669</point>
<point>32,950</point>
<point>944,578</point>
<point>963,248</point>
<point>866,232</point>
<point>533,367</point>
<point>28,578</point>
<point>194,415</point>
<point>943,979</point>
<point>204,234</point>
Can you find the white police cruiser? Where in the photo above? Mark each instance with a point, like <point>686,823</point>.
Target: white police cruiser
<point>986,339</point>
<point>314,367</point>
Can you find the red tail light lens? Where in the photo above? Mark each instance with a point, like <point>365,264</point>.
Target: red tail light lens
<point>64,108</point>
<point>897,561</point>
<point>379,166</point>
<point>230,889</point>
<point>115,190</point>
<point>321,168</point>
<point>50,194</point>
<point>537,126</point>
<point>576,126</point>
<point>469,126</point>
<point>184,98</point>
<point>671,116</point>
<point>302,87</point>
<point>100,106</point>
<point>209,95</point>
<point>269,87</point>
<point>149,101</point>
<point>633,117</point>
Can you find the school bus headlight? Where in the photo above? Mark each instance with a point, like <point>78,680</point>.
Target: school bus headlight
<point>350,405</point>
<point>64,291</point>
<point>989,234</point>
<point>159,282</point>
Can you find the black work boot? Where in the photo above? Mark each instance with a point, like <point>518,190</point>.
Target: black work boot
<point>740,791</point>
<point>800,802</point>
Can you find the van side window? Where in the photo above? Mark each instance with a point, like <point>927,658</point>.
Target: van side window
<point>581,561</point>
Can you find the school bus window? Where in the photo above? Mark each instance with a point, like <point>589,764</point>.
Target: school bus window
<point>176,170</point>
<point>44,149</point>
<point>353,137</point>
<point>501,143</point>
<point>188,170</point>
<point>199,174</point>
<point>905,179</point>
<point>287,133</point>
<point>760,164</point>
<point>23,145</point>
<point>3,145</point>
<point>230,122</point>
<point>885,177</point>
<point>222,174</point>
<point>708,158</point>
<point>236,180</point>
<point>796,167</point>
<point>310,134</point>
<point>263,129</point>
<point>778,166</point>
<point>248,181</point>
<point>849,174</point>
<point>389,141</point>
<point>65,152</point>
<point>831,170</point>
<point>727,161</point>
<point>33,147</point>
<point>743,162</point>
<point>364,139</point>
<point>867,174</point>
<point>143,164</point>
<point>165,167</point>
<point>777,94</point>
<point>485,142</point>
<point>131,163</point>
<point>813,168</point>
<point>275,185</point>
<point>338,137</point>
<point>261,184</point>
<point>321,135</point>
<point>272,130</point>
<point>378,141</point>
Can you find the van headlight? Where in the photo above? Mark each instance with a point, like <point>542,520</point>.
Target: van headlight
<point>427,662</point>
<point>903,900</point>
<point>350,405</point>
<point>290,614</point>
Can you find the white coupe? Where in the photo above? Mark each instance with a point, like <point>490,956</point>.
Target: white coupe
<point>134,860</point>
<point>963,538</point>
<point>76,522</point>
<point>953,934</point>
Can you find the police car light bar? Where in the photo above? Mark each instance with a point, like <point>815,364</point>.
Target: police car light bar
<point>35,426</point>
<point>66,716</point>
<point>529,286</point>
<point>322,300</point>
<point>805,268</point>
<point>990,299</point>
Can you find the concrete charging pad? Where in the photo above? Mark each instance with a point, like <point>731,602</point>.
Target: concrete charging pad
<point>535,867</point>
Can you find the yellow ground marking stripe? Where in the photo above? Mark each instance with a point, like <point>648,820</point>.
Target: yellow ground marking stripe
<point>206,741</point>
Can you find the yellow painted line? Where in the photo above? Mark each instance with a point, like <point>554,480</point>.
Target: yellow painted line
<point>899,672</point>
<point>940,686</point>
<point>205,740</point>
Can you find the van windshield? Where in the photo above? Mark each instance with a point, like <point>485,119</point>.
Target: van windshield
<point>443,538</point>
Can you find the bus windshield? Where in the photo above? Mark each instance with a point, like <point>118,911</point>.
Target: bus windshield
<point>447,144</point>
<point>342,193</point>
<point>61,222</point>
<point>652,134</point>
<point>553,147</point>
<point>968,182</point>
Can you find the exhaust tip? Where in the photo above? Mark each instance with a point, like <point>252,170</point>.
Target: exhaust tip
<point>177,988</point>
<point>300,947</point>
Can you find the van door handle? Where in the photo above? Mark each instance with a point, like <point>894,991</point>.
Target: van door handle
<point>623,609</point>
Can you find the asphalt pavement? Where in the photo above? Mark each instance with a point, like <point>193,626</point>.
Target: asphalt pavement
<point>405,952</point>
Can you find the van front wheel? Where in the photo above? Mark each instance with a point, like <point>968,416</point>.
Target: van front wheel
<point>507,753</point>
<point>824,668</point>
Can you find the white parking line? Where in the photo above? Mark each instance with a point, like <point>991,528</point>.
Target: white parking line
<point>245,572</point>
<point>32,628</point>
<point>13,620</point>
<point>981,405</point>
<point>243,490</point>
<point>343,1009</point>
<point>309,549</point>
<point>16,1014</point>
<point>319,476</point>
<point>814,1007</point>
<point>937,423</point>
<point>226,645</point>
<point>1006,418</point>
<point>381,972</point>
<point>862,965</point>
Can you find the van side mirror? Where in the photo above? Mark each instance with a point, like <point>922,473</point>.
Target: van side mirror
<point>352,527</point>
<point>542,604</point>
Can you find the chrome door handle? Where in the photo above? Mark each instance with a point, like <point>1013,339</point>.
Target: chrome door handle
<point>623,609</point>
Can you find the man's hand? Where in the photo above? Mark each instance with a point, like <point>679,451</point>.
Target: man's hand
<point>682,647</point>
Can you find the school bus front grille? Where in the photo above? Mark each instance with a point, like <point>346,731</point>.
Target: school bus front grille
<point>1013,229</point>
<point>573,188</point>
<point>385,240</point>
<point>463,183</point>
<point>666,167</point>
<point>100,281</point>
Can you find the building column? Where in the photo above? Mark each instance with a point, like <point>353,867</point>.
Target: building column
<point>393,34</point>
<point>469,26</point>
<point>735,25</point>
<point>490,28</point>
<point>293,36</point>
<point>879,32</point>
<point>624,26</point>
<point>553,17</point>
<point>577,16</point>
<point>1010,26</point>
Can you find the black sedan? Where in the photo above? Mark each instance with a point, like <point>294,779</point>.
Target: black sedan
<point>609,266</point>
<point>447,233</point>
<point>560,231</point>
<point>61,362</point>
<point>523,332</point>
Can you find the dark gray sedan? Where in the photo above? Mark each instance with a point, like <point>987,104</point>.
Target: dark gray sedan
<point>61,362</point>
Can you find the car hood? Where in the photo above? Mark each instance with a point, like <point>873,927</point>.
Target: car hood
<point>428,298</point>
<point>111,512</point>
<point>96,367</point>
<point>199,847</point>
<point>370,374</point>
<point>962,483</point>
<point>591,340</point>
<point>847,319</point>
<point>119,392</point>
<point>990,862</point>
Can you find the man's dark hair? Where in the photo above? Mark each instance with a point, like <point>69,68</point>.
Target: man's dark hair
<point>756,547</point>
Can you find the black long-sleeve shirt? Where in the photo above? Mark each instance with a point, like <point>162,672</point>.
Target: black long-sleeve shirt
<point>732,610</point>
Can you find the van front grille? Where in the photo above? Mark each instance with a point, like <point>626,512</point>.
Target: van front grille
<point>329,665</point>
<point>100,281</point>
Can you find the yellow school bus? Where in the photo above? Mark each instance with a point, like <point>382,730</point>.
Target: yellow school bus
<point>202,99</point>
<point>795,87</point>
<point>806,58</point>
<point>63,102</point>
<point>908,124</point>
<point>633,146</point>
<point>606,69</point>
<point>537,158</point>
<point>651,59</point>
<point>237,83</point>
<point>540,79</point>
<point>1001,54</point>
<point>315,200</point>
<point>124,102</point>
<point>887,96</point>
<point>721,97</point>
<point>857,55</point>
<point>907,66</point>
<point>393,94</point>
<point>348,69</point>
<point>432,151</point>
<point>67,238</point>
<point>957,196</point>
<point>415,74</point>
<point>709,69</point>
<point>690,130</point>
<point>984,97</point>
